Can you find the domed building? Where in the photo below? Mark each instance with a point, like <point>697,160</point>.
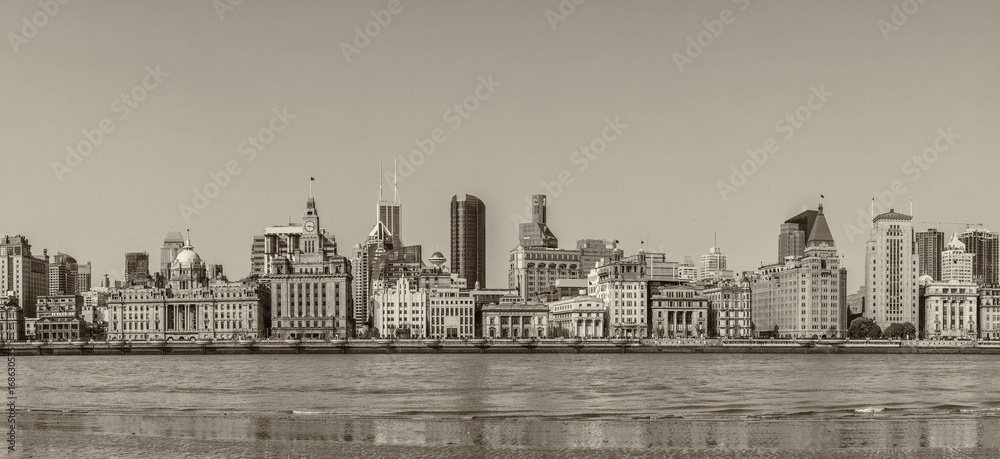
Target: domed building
<point>188,271</point>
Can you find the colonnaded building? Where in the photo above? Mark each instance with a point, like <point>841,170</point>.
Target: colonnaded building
<point>190,308</point>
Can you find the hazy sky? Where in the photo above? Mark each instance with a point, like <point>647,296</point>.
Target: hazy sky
<point>893,87</point>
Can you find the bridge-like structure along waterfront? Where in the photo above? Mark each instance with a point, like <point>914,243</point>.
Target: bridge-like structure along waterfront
<point>496,346</point>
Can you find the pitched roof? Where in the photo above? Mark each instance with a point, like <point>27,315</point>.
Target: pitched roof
<point>820,230</point>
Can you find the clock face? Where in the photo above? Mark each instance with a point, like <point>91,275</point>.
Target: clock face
<point>310,226</point>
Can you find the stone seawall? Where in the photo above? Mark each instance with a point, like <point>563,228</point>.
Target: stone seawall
<point>490,347</point>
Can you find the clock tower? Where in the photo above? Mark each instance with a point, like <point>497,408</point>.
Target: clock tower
<point>311,242</point>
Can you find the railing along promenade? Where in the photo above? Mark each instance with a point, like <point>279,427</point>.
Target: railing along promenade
<point>498,346</point>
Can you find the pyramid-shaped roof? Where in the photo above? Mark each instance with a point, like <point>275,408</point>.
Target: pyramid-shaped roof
<point>820,230</point>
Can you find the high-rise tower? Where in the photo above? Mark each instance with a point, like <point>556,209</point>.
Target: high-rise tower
<point>891,267</point>
<point>930,244</point>
<point>537,233</point>
<point>984,243</point>
<point>956,263</point>
<point>468,239</point>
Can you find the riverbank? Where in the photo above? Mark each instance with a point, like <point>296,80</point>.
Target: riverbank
<point>224,435</point>
<point>481,346</point>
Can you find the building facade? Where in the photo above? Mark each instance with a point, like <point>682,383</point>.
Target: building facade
<point>989,312</point>
<point>930,244</point>
<point>451,313</point>
<point>803,297</point>
<point>578,317</point>
<point>137,268</point>
<point>623,286</point>
<point>678,311</point>
<point>891,267</point>
<point>468,239</point>
<point>310,286</point>
<point>985,244</point>
<point>22,273</point>
<point>515,319</point>
<point>729,309</point>
<point>59,318</point>
<point>399,309</point>
<point>956,263</point>
<point>713,266</point>
<point>534,270</point>
<point>11,320</point>
<point>84,274</point>
<point>63,273</point>
<point>951,310</point>
<point>794,234</point>
<point>173,244</point>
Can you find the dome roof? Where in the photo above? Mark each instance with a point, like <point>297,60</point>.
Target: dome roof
<point>437,258</point>
<point>187,256</point>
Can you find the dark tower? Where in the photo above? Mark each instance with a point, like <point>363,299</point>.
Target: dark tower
<point>468,239</point>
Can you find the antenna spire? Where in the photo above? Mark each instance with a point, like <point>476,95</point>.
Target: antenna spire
<point>395,193</point>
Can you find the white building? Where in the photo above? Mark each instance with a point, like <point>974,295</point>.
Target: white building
<point>579,317</point>
<point>891,271</point>
<point>622,286</point>
<point>451,313</point>
<point>399,310</point>
<point>956,264</point>
<point>713,266</point>
<point>951,309</point>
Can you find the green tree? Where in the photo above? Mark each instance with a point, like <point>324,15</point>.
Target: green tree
<point>863,327</point>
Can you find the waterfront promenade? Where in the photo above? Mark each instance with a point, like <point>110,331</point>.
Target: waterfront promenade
<point>497,346</point>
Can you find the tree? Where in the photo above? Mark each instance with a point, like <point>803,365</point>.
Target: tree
<point>909,331</point>
<point>893,331</point>
<point>863,327</point>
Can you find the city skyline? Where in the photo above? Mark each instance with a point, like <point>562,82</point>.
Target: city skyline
<point>539,95</point>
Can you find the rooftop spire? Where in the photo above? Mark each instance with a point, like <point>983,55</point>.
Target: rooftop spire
<point>395,193</point>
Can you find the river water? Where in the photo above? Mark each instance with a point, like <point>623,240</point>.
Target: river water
<point>538,404</point>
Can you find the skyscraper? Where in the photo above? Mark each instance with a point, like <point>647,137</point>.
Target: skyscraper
<point>794,235</point>
<point>136,267</point>
<point>891,271</point>
<point>173,243</point>
<point>390,213</point>
<point>468,239</point>
<point>592,251</point>
<point>956,263</point>
<point>83,278</point>
<point>537,233</point>
<point>985,245</point>
<point>930,244</point>
<point>62,275</point>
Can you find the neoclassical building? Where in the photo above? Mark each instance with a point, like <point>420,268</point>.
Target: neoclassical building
<point>951,309</point>
<point>678,311</point>
<point>189,308</point>
<point>512,318</point>
<point>579,317</point>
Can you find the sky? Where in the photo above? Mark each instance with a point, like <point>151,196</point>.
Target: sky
<point>668,98</point>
